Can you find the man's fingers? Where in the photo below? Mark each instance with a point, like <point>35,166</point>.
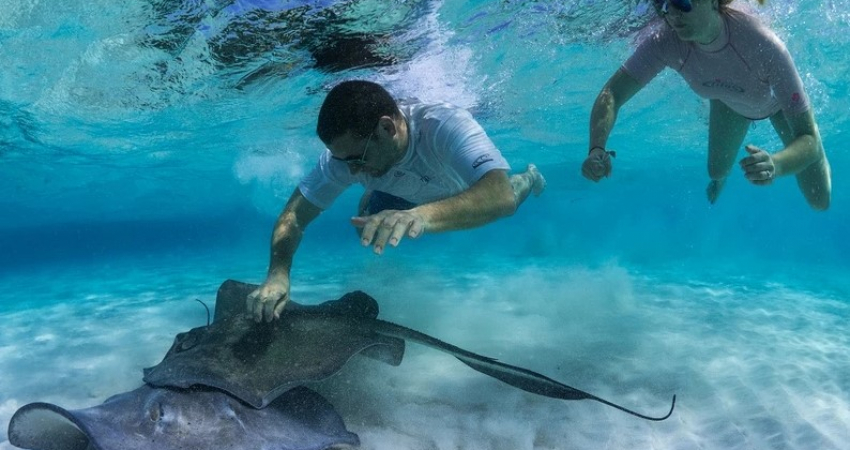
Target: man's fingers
<point>416,229</point>
<point>388,228</point>
<point>278,309</point>
<point>260,305</point>
<point>368,233</point>
<point>257,310</point>
<point>252,303</point>
<point>383,234</point>
<point>249,301</point>
<point>399,231</point>
<point>268,310</point>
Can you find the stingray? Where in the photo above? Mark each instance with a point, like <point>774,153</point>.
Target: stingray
<point>168,419</point>
<point>258,362</point>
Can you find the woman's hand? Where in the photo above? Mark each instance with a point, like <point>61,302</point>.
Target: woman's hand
<point>758,167</point>
<point>597,165</point>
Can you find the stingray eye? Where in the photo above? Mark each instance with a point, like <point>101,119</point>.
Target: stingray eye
<point>187,341</point>
<point>156,412</point>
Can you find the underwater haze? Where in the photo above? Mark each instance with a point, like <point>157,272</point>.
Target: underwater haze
<point>147,146</point>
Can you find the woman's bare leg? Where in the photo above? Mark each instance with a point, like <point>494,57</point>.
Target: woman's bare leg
<point>726,132</point>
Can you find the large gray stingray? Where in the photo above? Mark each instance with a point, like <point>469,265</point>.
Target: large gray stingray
<point>258,362</point>
<point>151,418</point>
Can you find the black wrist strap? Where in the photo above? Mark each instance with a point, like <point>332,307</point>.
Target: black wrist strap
<point>610,153</point>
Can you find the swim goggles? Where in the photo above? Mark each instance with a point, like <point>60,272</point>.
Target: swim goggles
<point>357,161</point>
<point>663,6</point>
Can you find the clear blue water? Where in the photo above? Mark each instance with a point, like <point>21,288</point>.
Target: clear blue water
<point>147,146</point>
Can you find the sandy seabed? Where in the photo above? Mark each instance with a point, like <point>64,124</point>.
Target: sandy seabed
<point>754,366</point>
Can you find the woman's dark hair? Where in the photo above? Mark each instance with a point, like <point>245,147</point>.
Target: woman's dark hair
<point>354,106</point>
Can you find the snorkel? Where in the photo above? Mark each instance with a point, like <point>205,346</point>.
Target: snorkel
<point>663,6</point>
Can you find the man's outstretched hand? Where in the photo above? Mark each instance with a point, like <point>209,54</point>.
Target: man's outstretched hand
<point>388,226</point>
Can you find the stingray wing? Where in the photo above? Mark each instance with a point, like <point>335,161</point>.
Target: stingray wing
<point>256,362</point>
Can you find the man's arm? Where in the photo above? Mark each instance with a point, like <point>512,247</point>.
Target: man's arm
<point>617,91</point>
<point>267,302</point>
<point>488,199</point>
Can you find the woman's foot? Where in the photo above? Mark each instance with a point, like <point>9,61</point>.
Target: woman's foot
<point>714,188</point>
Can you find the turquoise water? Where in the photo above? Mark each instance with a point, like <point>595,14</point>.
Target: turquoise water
<point>147,147</point>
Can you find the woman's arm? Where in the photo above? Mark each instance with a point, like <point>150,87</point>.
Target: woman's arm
<point>617,91</point>
<point>802,144</point>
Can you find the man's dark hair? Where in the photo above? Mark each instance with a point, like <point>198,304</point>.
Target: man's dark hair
<point>354,106</point>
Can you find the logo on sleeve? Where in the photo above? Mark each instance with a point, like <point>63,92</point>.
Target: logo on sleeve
<point>485,158</point>
<point>796,98</point>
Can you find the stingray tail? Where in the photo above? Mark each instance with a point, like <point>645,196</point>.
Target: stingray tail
<point>637,414</point>
<point>540,384</point>
<point>518,377</point>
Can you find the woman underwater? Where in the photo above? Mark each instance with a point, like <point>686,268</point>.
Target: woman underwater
<point>744,69</point>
